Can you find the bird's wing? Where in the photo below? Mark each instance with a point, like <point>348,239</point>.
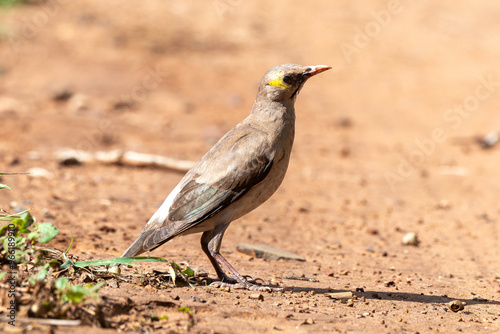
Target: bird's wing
<point>238,162</point>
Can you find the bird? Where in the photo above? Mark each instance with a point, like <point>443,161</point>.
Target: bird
<point>238,174</point>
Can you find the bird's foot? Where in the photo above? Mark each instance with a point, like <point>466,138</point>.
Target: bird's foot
<point>252,280</point>
<point>248,284</point>
<point>214,281</point>
<point>230,280</point>
<point>240,281</point>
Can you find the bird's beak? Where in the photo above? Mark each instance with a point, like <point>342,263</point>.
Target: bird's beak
<point>313,70</point>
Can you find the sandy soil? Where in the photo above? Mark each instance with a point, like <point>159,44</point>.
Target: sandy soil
<point>386,144</point>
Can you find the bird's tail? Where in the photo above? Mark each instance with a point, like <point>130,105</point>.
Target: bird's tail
<point>137,247</point>
<point>149,240</point>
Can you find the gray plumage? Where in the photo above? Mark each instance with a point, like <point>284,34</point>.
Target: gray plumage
<point>241,171</point>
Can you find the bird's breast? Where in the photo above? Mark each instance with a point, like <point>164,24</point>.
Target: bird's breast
<point>267,187</point>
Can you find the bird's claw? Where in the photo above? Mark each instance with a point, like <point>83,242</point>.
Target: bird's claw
<point>252,280</point>
<point>231,286</point>
<point>248,286</point>
<point>223,280</point>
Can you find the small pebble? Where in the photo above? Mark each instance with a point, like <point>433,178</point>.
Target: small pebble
<point>61,92</point>
<point>18,208</point>
<point>40,173</point>
<point>200,273</point>
<point>389,283</point>
<point>78,102</point>
<point>11,106</point>
<point>113,284</point>
<point>115,270</point>
<point>198,299</point>
<point>47,214</point>
<point>488,141</point>
<point>411,239</point>
<point>72,161</point>
<point>456,305</point>
<point>256,296</point>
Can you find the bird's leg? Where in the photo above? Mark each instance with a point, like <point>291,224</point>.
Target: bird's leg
<point>205,239</point>
<point>210,243</point>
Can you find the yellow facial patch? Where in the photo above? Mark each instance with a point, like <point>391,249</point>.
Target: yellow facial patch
<point>277,80</point>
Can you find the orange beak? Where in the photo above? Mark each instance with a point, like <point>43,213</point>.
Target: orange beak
<point>313,70</point>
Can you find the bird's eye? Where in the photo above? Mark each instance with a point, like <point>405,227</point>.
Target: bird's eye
<point>288,79</point>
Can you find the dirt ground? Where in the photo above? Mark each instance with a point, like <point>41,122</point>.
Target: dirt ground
<point>386,144</point>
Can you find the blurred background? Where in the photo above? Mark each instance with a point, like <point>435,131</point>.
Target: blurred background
<point>399,136</point>
<point>399,69</point>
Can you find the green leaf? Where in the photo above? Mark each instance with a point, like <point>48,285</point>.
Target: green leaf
<point>27,218</point>
<point>61,283</point>
<point>18,222</point>
<point>118,260</point>
<point>40,276</point>
<point>154,317</point>
<point>67,264</point>
<point>20,173</point>
<point>2,274</point>
<point>44,232</point>
<point>5,244</point>
<point>19,247</point>
<point>21,256</point>
<point>76,294</point>
<point>4,228</point>
<point>189,272</point>
<point>13,216</point>
<point>3,186</point>
<point>184,309</point>
<point>22,221</point>
<point>50,251</point>
<point>175,269</point>
<point>70,244</point>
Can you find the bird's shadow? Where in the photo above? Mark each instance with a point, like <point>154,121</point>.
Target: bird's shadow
<point>401,296</point>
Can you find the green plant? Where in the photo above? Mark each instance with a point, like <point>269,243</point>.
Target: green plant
<point>21,235</point>
<point>75,294</point>
<point>50,275</point>
<point>157,318</point>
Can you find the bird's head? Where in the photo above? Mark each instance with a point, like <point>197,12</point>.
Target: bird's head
<point>283,82</point>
